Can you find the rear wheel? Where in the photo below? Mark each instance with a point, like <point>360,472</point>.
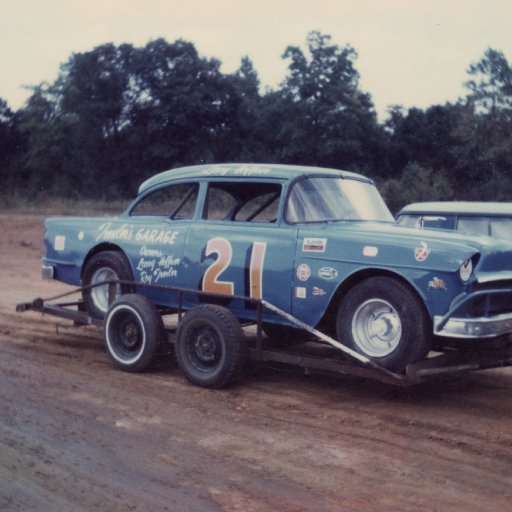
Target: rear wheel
<point>210,346</point>
<point>134,332</point>
<point>104,266</point>
<point>383,319</point>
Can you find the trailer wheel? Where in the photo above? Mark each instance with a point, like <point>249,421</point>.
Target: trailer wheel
<point>210,346</point>
<point>383,319</point>
<point>134,331</point>
<point>104,266</point>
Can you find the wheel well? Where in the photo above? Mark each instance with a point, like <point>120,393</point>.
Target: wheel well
<point>328,321</point>
<point>97,249</point>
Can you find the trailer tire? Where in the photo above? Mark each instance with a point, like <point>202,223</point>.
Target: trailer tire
<point>103,266</point>
<point>382,319</point>
<point>210,346</point>
<point>134,332</point>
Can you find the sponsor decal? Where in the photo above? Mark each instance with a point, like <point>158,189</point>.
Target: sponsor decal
<point>300,292</point>
<point>328,273</point>
<point>318,292</point>
<point>421,253</point>
<point>465,270</point>
<point>59,243</point>
<point>436,285</point>
<point>128,233</point>
<point>314,244</point>
<point>108,232</point>
<point>303,272</point>
<point>370,251</point>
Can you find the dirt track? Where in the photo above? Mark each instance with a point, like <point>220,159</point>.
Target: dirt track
<point>78,435</point>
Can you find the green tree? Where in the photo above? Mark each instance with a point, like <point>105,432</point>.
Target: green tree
<point>491,85</point>
<point>94,94</point>
<point>43,160</point>
<point>416,183</point>
<point>10,143</point>
<point>483,148</point>
<point>186,109</point>
<point>423,136</point>
<point>329,120</point>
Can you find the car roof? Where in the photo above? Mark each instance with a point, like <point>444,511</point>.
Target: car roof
<point>459,207</point>
<point>243,171</point>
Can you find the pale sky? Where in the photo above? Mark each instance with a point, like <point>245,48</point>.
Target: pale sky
<point>411,52</point>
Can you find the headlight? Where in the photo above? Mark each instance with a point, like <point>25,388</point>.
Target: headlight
<point>465,270</point>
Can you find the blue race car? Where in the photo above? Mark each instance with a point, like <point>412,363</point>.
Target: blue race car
<point>319,245</point>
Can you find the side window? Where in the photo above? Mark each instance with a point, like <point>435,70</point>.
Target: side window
<point>261,208</point>
<point>176,202</point>
<point>242,201</point>
<point>219,203</point>
<point>474,225</point>
<point>501,227</point>
<point>438,222</point>
<point>410,221</point>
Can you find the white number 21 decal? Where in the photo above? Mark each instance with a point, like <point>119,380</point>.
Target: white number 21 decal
<point>224,251</point>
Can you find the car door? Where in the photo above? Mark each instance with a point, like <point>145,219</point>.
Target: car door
<point>241,248</point>
<point>160,224</point>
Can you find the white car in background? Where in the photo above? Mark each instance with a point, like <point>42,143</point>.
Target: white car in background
<point>472,217</point>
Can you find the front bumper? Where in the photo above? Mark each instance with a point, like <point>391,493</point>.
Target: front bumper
<point>468,327</point>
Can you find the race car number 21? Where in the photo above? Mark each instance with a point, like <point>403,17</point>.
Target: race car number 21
<point>223,249</point>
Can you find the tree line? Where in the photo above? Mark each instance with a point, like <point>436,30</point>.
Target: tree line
<point>118,114</point>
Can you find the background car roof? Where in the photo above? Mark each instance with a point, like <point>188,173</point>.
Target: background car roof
<point>457,207</point>
<point>243,171</point>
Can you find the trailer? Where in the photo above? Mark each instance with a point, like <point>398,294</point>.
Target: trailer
<point>211,347</point>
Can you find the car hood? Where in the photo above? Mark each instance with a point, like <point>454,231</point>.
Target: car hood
<point>392,245</point>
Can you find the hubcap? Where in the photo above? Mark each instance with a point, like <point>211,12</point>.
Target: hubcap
<point>99,294</point>
<point>377,328</point>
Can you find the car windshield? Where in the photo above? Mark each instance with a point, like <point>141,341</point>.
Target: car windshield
<point>335,199</point>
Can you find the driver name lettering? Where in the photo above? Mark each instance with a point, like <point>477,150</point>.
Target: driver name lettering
<point>155,266</point>
<point>243,170</point>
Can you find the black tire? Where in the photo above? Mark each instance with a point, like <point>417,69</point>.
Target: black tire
<point>210,346</point>
<point>134,332</point>
<point>106,265</point>
<point>284,336</point>
<point>383,319</point>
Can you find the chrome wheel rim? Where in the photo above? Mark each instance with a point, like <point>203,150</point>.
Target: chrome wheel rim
<point>99,294</point>
<point>376,328</point>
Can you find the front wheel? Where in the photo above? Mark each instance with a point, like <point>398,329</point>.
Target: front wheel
<point>382,319</point>
<point>210,346</point>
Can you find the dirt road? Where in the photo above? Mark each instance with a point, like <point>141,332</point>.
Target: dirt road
<point>78,435</point>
